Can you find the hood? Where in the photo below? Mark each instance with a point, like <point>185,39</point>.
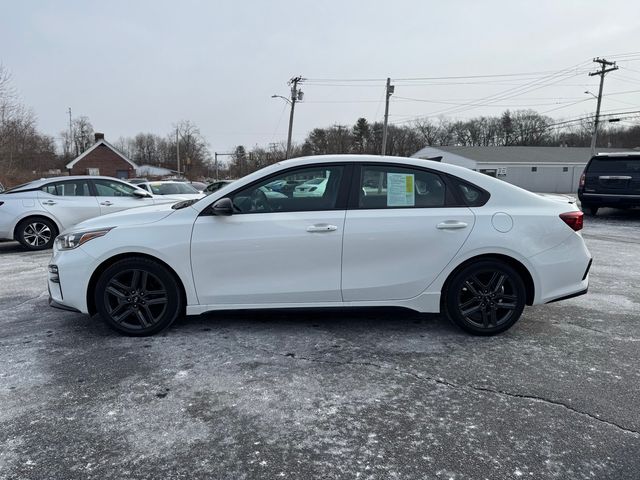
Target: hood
<point>133,216</point>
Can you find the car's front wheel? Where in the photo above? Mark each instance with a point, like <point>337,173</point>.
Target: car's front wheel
<point>138,297</point>
<point>485,297</point>
<point>37,233</point>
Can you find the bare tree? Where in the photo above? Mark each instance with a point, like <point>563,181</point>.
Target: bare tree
<point>83,136</point>
<point>24,152</point>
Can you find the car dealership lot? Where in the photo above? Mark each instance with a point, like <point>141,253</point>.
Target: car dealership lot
<point>329,394</point>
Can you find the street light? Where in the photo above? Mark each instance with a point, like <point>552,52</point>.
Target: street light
<point>284,98</point>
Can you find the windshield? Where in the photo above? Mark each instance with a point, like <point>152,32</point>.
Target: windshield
<point>171,188</point>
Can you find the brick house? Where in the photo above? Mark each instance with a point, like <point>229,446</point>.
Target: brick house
<point>102,159</point>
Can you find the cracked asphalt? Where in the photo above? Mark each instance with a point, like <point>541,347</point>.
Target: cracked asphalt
<point>371,394</point>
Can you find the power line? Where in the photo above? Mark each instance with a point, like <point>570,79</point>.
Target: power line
<point>423,100</point>
<point>516,91</point>
<point>450,77</point>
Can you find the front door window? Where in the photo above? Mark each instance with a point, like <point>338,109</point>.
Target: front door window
<point>302,190</point>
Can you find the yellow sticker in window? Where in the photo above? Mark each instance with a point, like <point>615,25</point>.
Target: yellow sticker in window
<point>409,183</point>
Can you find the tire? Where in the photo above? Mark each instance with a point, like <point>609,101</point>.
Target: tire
<point>36,233</point>
<point>590,209</point>
<point>486,297</point>
<point>138,297</point>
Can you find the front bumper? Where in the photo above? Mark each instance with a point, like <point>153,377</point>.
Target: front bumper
<point>60,306</point>
<point>68,287</point>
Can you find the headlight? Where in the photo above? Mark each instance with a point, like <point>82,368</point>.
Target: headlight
<point>69,241</point>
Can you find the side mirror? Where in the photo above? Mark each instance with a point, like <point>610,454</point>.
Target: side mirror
<point>141,194</point>
<point>223,207</point>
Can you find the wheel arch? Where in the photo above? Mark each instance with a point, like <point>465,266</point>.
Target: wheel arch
<point>518,266</point>
<point>32,216</point>
<point>91,304</point>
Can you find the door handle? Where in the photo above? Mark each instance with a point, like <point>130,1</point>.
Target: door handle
<point>106,203</point>
<point>49,202</point>
<point>451,225</point>
<point>321,228</point>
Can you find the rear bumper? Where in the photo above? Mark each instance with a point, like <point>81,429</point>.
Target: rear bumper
<point>609,199</point>
<point>572,295</point>
<point>6,231</point>
<point>562,271</point>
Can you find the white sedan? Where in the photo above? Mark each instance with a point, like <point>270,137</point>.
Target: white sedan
<point>436,238</point>
<point>35,212</point>
<point>173,189</point>
<point>311,188</point>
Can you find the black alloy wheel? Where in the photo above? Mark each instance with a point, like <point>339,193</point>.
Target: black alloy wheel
<point>485,298</point>
<point>138,297</point>
<point>36,233</point>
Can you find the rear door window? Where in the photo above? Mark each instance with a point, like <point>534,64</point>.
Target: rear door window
<point>69,188</point>
<point>391,186</point>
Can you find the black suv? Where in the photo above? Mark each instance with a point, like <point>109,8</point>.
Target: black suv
<point>610,180</point>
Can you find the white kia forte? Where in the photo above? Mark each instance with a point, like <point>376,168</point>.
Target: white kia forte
<point>423,235</point>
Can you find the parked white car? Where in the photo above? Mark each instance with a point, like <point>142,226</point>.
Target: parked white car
<point>474,247</point>
<point>35,212</point>
<point>174,189</point>
<point>311,188</point>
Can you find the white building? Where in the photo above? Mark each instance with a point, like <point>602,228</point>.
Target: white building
<point>538,169</point>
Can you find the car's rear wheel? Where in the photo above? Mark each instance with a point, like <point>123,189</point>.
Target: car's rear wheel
<point>485,298</point>
<point>590,209</point>
<point>37,233</point>
<point>138,297</point>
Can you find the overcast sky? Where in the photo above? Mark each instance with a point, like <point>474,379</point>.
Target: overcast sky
<point>140,66</point>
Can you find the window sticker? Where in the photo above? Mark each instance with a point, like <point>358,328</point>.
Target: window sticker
<point>400,190</point>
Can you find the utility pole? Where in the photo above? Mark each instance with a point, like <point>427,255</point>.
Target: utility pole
<point>71,142</point>
<point>603,70</point>
<point>389,92</point>
<point>178,150</point>
<point>295,96</point>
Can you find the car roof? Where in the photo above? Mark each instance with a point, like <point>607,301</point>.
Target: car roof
<point>43,181</point>
<point>617,154</point>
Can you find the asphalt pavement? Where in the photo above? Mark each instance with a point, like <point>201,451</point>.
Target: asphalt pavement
<point>368,394</point>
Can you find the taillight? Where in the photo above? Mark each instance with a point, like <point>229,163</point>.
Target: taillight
<point>573,219</point>
<point>582,178</point>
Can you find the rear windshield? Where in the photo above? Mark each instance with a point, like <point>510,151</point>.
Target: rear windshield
<point>18,187</point>
<point>617,165</point>
<point>171,188</point>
